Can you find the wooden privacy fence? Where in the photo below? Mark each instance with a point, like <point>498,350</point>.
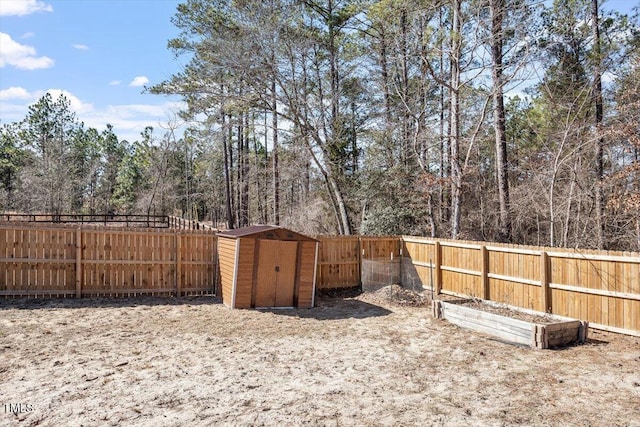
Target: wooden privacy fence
<point>600,287</point>
<point>64,261</point>
<point>38,260</point>
<point>340,257</point>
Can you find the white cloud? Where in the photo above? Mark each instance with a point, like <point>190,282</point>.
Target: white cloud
<point>28,35</point>
<point>14,92</point>
<point>13,110</point>
<point>75,103</point>
<point>139,81</point>
<point>20,93</point>
<point>128,120</point>
<point>21,56</point>
<point>114,82</point>
<point>81,46</point>
<point>23,7</point>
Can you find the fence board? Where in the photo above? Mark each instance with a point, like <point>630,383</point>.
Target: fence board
<point>380,247</point>
<point>423,255</point>
<point>338,262</point>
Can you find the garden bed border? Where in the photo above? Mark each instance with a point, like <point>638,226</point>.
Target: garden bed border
<point>560,332</point>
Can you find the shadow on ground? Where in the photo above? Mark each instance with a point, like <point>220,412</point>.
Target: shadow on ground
<point>334,308</point>
<point>328,306</point>
<point>101,302</point>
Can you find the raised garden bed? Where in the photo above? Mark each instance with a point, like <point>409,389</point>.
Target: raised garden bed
<point>511,325</point>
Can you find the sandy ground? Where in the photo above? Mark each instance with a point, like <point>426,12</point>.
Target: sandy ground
<point>350,361</point>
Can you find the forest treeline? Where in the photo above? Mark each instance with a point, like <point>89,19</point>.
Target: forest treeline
<point>372,117</point>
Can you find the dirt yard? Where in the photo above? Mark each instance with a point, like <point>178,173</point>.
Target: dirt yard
<point>350,361</point>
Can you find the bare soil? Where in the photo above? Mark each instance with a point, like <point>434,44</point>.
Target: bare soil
<point>354,360</point>
<point>540,319</point>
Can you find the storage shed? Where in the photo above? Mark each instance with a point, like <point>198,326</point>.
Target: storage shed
<point>265,266</point>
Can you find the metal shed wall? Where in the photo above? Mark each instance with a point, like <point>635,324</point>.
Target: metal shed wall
<point>240,267</point>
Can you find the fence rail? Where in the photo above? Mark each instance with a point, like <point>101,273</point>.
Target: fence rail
<point>600,287</point>
<point>187,224</point>
<point>147,221</point>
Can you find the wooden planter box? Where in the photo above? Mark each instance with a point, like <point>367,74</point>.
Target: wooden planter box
<point>557,332</point>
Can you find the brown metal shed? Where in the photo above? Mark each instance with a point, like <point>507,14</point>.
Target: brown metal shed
<point>265,266</point>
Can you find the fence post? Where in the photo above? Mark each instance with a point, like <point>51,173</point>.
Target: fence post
<point>438,263</point>
<point>216,272</point>
<point>544,282</point>
<point>485,273</point>
<point>359,252</point>
<point>178,247</point>
<point>79,262</point>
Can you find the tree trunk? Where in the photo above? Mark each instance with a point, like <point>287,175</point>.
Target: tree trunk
<point>342,206</point>
<point>384,66</point>
<point>498,9</point>
<point>240,173</point>
<point>260,173</point>
<point>244,119</point>
<point>454,138</point>
<point>432,221</point>
<point>333,73</point>
<point>405,153</point>
<point>567,219</point>
<point>336,130</point>
<point>597,95</point>
<point>444,147</point>
<point>274,154</point>
<point>227,173</point>
<point>263,190</point>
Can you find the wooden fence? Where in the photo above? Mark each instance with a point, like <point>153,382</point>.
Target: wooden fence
<point>64,261</point>
<point>339,258</point>
<point>598,286</point>
<point>601,287</point>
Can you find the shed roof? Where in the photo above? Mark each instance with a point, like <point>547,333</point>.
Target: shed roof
<point>265,231</point>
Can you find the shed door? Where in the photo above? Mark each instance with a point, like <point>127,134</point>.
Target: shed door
<point>276,273</point>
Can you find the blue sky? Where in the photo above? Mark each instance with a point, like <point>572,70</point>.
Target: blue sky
<point>100,54</point>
